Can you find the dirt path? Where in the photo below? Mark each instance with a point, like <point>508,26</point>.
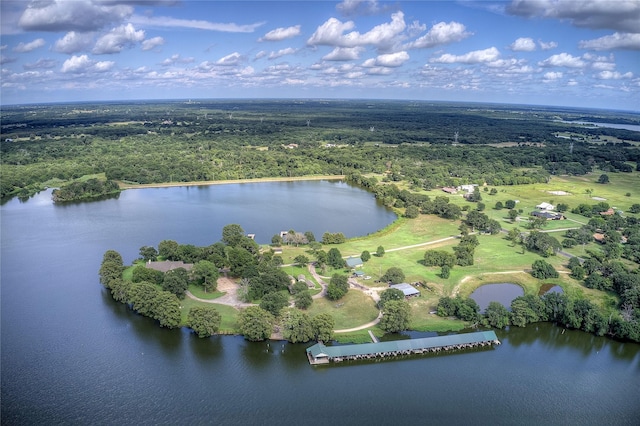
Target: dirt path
<point>230,298</point>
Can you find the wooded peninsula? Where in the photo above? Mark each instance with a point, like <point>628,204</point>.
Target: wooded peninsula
<point>484,193</point>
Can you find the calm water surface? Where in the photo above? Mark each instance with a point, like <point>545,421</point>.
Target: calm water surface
<point>503,293</point>
<point>70,355</point>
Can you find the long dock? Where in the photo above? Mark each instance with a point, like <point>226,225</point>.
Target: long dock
<point>322,354</point>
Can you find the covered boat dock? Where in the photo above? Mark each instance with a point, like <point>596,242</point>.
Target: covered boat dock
<point>322,354</point>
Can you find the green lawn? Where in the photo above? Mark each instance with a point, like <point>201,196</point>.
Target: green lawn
<point>352,310</point>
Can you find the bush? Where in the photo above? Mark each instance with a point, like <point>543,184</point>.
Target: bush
<point>338,287</point>
<point>543,270</point>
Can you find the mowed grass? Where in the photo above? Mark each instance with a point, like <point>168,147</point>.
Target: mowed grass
<point>229,323</point>
<point>352,310</point>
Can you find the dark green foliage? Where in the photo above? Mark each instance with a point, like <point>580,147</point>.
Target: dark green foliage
<point>232,234</point>
<point>323,325</point>
<point>176,282</point>
<point>120,290</point>
<point>168,249</point>
<point>334,258</point>
<point>390,294</point>
<point>510,204</point>
<point>393,275</point>
<point>255,323</point>
<point>160,305</point>
<point>603,179</point>
<point>542,243</point>
<point>499,205</point>
<point>296,326</point>
<point>396,316</point>
<point>206,274</point>
<point>90,189</point>
<point>142,273</point>
<point>635,208</point>
<point>301,260</point>
<point>303,299</point>
<point>110,271</point>
<point>365,256</point>
<point>412,212</point>
<point>543,270</point>
<point>112,256</point>
<point>274,302</point>
<point>445,271</point>
<point>380,251</point>
<point>338,286</point>
<point>465,309</point>
<point>204,320</point>
<point>148,253</point>
<point>333,238</point>
<point>496,315</point>
<point>438,258</point>
<point>562,207</point>
<point>298,287</point>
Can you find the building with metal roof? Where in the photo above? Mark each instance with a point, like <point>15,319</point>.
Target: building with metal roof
<point>407,289</point>
<point>322,354</point>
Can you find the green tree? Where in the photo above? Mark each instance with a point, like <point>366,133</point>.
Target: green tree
<point>380,251</point>
<point>167,309</point>
<point>480,206</point>
<point>142,297</point>
<point>323,325</point>
<point>635,208</point>
<point>513,214</point>
<point>562,207</point>
<point>497,315</point>
<point>255,323</point>
<point>206,273</point>
<point>334,258</point>
<point>603,179</point>
<point>543,270</point>
<point>445,271</point>
<point>176,282</point>
<point>510,204</point>
<point>303,299</point>
<point>142,273</point>
<point>393,275</point>
<point>365,256</point>
<point>412,212</point>
<point>301,260</point>
<point>120,290</point>
<point>204,320</point>
<point>232,234</point>
<point>390,294</point>
<point>110,271</point>
<point>499,205</point>
<point>168,249</point>
<point>112,256</point>
<point>338,286</point>
<point>274,302</point>
<point>438,258</point>
<point>276,240</point>
<point>296,326</point>
<point>395,316</point>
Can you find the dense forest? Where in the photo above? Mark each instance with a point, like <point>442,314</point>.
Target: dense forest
<point>426,144</point>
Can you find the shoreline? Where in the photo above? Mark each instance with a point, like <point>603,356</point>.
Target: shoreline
<point>124,186</point>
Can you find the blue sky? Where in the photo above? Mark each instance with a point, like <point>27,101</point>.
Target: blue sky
<point>547,52</point>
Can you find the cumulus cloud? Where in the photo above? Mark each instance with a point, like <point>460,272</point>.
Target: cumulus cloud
<point>281,34</point>
<point>613,75</point>
<point>475,57</point>
<point>523,44</point>
<point>260,54</point>
<point>619,15</point>
<point>82,64</point>
<point>282,52</point>
<point>440,34</point>
<point>612,42</point>
<point>547,46</point>
<point>118,39</point>
<point>562,60</point>
<point>552,75</point>
<point>176,59</point>
<point>73,42</point>
<point>230,60</point>
<point>344,54</point>
<point>77,15</point>
<point>389,60</point>
<point>331,33</point>
<point>152,43</point>
<point>28,47</point>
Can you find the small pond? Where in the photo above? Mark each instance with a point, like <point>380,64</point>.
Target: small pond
<point>550,288</point>
<point>503,293</point>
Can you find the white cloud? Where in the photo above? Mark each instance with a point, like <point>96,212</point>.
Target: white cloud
<point>260,54</point>
<point>475,57</point>
<point>344,54</point>
<point>82,64</point>
<point>118,39</point>
<point>73,42</point>
<point>28,47</point>
<point>547,46</point>
<point>552,75</point>
<point>614,41</point>
<point>40,64</point>
<point>152,43</point>
<point>281,34</point>
<point>390,60</point>
<point>331,33</point>
<point>523,44</point>
<point>440,34</point>
<point>282,52</point>
<point>359,7</point>
<point>77,15</point>
<point>613,75</point>
<point>230,60</point>
<point>176,59</point>
<point>562,60</point>
<point>619,15</point>
<point>163,21</point>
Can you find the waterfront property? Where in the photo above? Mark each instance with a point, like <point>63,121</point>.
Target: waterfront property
<point>168,265</point>
<point>321,354</point>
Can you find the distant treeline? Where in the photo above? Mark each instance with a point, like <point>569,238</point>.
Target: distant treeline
<point>89,189</point>
<point>179,142</point>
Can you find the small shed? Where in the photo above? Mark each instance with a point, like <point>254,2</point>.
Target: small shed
<point>545,206</point>
<point>407,289</point>
<point>354,262</point>
<point>358,274</point>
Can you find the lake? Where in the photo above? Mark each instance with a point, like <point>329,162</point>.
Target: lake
<point>71,355</point>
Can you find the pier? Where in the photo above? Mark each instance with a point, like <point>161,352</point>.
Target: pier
<point>322,354</point>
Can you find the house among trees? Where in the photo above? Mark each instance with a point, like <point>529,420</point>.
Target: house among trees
<point>354,262</point>
<point>609,212</point>
<point>599,237</point>
<point>407,289</point>
<point>168,265</point>
<point>450,190</point>
<point>467,188</point>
